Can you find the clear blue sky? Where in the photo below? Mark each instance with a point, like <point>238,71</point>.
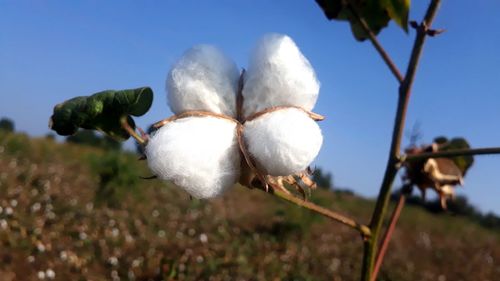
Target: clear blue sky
<point>53,50</point>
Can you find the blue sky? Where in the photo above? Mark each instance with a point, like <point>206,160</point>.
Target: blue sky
<point>53,50</point>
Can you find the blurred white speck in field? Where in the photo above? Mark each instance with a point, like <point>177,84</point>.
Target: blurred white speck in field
<point>63,255</point>
<point>113,261</point>
<point>36,207</point>
<point>203,238</point>
<point>131,275</point>
<point>41,275</point>
<point>89,207</point>
<point>13,203</point>
<point>155,213</point>
<point>50,273</point>
<point>40,247</point>
<point>82,235</point>
<point>3,224</point>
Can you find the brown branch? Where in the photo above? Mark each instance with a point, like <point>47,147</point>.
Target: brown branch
<point>373,38</point>
<point>393,161</point>
<point>388,235</point>
<point>126,126</point>
<point>451,153</point>
<point>363,229</point>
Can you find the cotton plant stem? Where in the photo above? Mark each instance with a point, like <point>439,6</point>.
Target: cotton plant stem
<point>126,126</point>
<point>373,38</point>
<point>388,235</point>
<point>363,229</point>
<point>370,245</point>
<point>451,153</point>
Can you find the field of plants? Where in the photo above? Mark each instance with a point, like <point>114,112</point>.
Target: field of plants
<point>72,212</point>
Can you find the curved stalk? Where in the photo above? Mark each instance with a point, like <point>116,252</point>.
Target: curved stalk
<point>373,38</point>
<point>131,131</point>
<point>363,229</point>
<point>388,235</point>
<point>370,246</point>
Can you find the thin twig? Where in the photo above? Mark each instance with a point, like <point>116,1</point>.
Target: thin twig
<point>373,38</point>
<point>130,130</point>
<point>393,161</point>
<point>388,235</point>
<point>451,153</point>
<point>363,229</point>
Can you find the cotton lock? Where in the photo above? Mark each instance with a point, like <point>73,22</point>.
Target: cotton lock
<point>203,79</point>
<point>198,154</point>
<point>278,75</point>
<point>283,142</point>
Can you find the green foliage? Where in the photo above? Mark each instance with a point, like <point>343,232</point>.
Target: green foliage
<point>376,14</point>
<point>89,137</point>
<point>460,206</point>
<point>102,111</point>
<point>270,239</point>
<point>323,179</point>
<point>14,144</point>
<point>462,162</point>
<point>7,125</point>
<point>117,173</point>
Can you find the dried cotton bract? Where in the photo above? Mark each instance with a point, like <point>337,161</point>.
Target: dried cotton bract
<point>283,142</point>
<point>198,154</point>
<point>203,79</point>
<point>278,75</point>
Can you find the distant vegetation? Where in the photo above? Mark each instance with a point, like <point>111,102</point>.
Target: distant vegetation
<point>7,125</point>
<point>323,179</point>
<point>460,206</point>
<point>89,137</point>
<point>84,214</point>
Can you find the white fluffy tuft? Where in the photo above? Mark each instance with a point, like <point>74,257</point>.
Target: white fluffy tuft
<point>203,79</point>
<point>198,154</point>
<point>283,142</point>
<point>278,75</point>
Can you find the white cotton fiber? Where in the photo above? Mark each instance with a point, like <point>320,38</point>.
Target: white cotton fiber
<point>198,154</point>
<point>203,79</point>
<point>278,75</point>
<point>283,142</point>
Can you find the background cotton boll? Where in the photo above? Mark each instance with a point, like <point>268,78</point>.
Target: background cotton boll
<point>283,142</point>
<point>198,154</point>
<point>203,79</point>
<point>278,75</point>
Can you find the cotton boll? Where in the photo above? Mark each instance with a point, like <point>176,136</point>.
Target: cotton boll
<point>283,142</point>
<point>198,154</point>
<point>203,79</point>
<point>278,75</point>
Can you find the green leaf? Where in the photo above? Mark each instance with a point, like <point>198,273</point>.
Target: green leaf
<point>101,111</point>
<point>463,162</point>
<point>376,14</point>
<point>398,11</point>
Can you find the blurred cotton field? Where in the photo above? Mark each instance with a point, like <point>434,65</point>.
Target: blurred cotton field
<point>53,228</point>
